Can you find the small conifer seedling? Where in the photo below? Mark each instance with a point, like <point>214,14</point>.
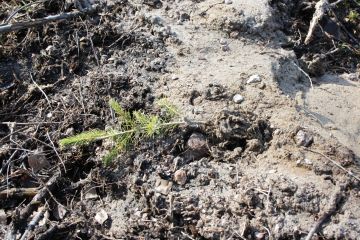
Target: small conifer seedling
<point>131,127</point>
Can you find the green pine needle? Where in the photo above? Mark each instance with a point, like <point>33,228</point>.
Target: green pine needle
<point>85,137</point>
<point>168,108</point>
<point>111,155</point>
<point>133,127</point>
<point>124,116</point>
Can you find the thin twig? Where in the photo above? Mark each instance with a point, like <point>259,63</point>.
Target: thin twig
<point>187,235</point>
<point>56,152</point>
<point>331,209</point>
<point>31,207</point>
<point>18,192</point>
<point>36,219</point>
<point>42,91</point>
<point>307,75</point>
<point>335,3</point>
<point>321,8</point>
<point>8,19</point>
<point>22,25</point>
<point>29,123</point>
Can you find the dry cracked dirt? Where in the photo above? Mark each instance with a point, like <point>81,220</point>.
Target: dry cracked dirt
<point>271,148</point>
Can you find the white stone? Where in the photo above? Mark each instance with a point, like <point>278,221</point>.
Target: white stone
<point>101,216</point>
<point>308,161</point>
<point>238,98</point>
<point>228,1</point>
<point>254,79</point>
<point>223,42</point>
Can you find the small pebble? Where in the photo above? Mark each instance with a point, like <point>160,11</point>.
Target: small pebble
<point>228,1</point>
<point>272,171</point>
<point>234,34</point>
<point>197,141</point>
<point>156,20</point>
<point>223,42</point>
<point>180,177</point>
<point>259,235</point>
<point>308,161</point>
<point>184,17</point>
<point>254,79</point>
<point>304,162</point>
<point>101,216</point>
<point>69,131</point>
<point>174,77</point>
<point>238,98</point>
<point>304,139</point>
<point>225,48</point>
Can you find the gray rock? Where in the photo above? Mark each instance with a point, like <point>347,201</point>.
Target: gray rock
<point>198,147</point>
<point>228,1</point>
<point>225,48</point>
<point>197,141</point>
<point>184,17</point>
<point>303,138</point>
<point>223,42</point>
<point>238,98</point>
<point>156,20</point>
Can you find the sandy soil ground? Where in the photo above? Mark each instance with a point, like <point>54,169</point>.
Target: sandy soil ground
<point>271,157</point>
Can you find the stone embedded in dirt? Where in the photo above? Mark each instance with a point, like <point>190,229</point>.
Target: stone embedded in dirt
<point>304,162</point>
<point>156,20</point>
<point>228,1</point>
<point>184,17</point>
<point>225,48</point>
<point>163,186</point>
<point>198,147</point>
<point>260,235</point>
<point>238,98</point>
<point>180,177</point>
<point>223,42</point>
<point>234,34</point>
<point>101,216</point>
<point>197,142</point>
<point>303,138</point>
<point>254,79</point>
